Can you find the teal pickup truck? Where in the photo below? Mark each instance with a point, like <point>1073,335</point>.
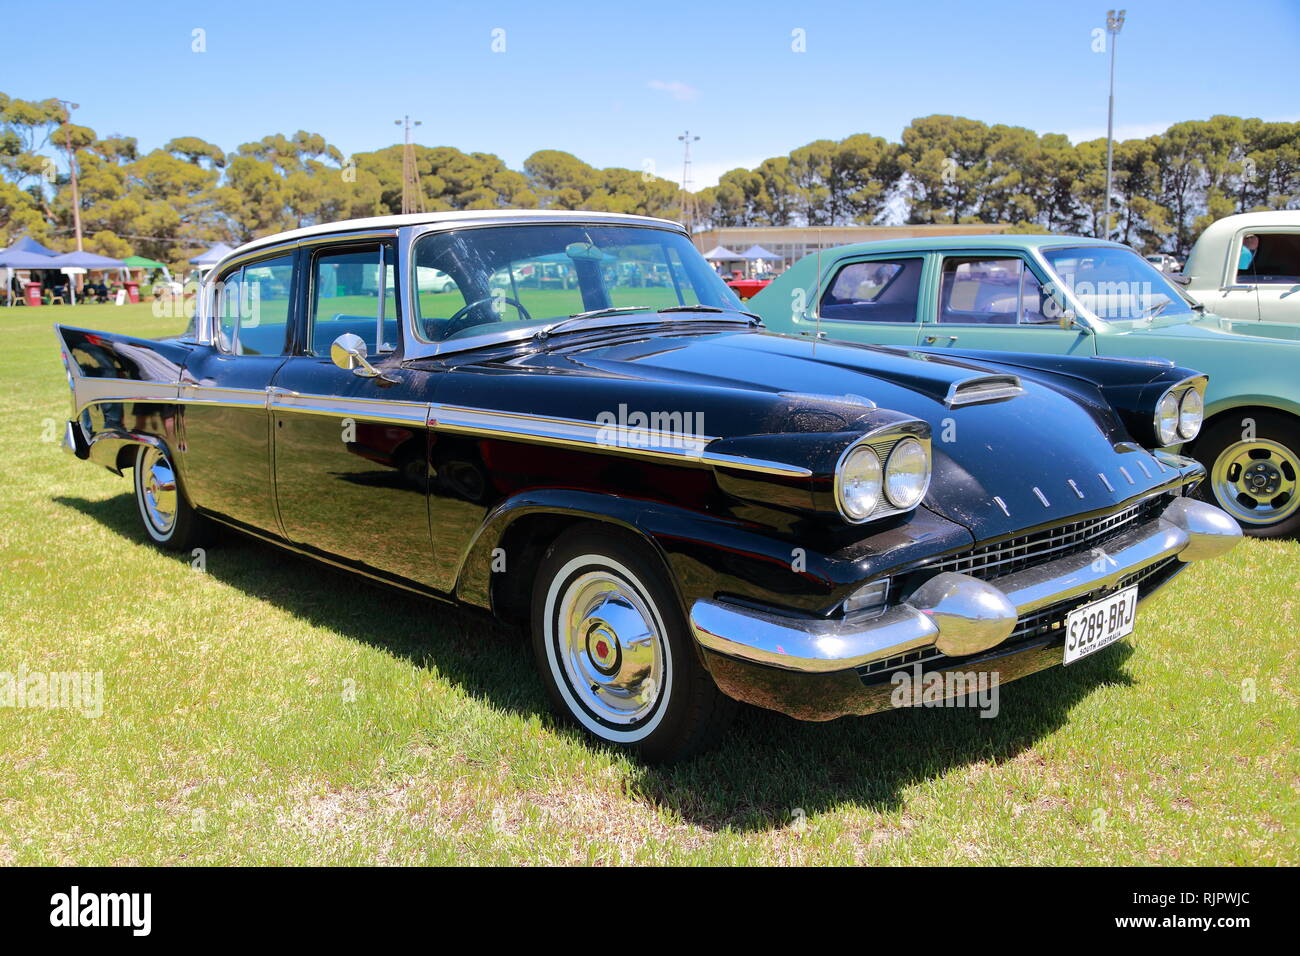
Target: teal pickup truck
<point>1074,297</point>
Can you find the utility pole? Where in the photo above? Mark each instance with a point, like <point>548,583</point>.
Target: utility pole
<point>1114,23</point>
<point>412,195</point>
<point>688,201</point>
<point>68,107</point>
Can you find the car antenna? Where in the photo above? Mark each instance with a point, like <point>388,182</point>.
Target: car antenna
<point>817,284</point>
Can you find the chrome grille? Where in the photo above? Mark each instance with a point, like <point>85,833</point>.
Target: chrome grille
<point>1027,550</point>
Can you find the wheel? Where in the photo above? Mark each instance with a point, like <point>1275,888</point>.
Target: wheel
<point>168,518</point>
<point>614,651</point>
<point>1253,474</point>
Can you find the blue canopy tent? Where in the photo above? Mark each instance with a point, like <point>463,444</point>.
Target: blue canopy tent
<point>70,261</point>
<point>758,255</point>
<point>212,256</point>
<point>723,254</point>
<point>15,258</point>
<point>28,244</point>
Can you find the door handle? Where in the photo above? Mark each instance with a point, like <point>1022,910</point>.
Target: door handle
<point>931,339</point>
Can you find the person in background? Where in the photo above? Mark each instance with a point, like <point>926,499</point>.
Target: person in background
<point>1248,247</point>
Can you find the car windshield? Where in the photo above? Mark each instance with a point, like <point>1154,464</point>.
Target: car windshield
<point>473,281</point>
<point>1115,284</point>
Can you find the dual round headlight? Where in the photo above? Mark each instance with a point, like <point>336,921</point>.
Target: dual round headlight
<point>1191,412</point>
<point>862,480</point>
<point>1179,418</point>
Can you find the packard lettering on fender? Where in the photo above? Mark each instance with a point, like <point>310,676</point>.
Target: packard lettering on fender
<point>565,419</point>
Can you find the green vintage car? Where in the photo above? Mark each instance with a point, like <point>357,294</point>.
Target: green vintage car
<point>1074,297</point>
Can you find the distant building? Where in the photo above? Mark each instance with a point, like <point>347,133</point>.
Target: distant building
<point>794,242</point>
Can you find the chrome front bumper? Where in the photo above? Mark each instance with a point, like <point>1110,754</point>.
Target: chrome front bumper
<point>955,614</point>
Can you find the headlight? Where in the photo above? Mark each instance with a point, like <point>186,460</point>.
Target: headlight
<point>858,483</point>
<point>1167,419</point>
<point>1191,412</point>
<point>907,474</point>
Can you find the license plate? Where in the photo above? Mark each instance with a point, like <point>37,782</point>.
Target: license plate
<point>1099,624</point>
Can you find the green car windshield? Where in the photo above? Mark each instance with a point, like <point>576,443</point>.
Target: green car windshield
<point>473,282</point>
<point>1116,284</point>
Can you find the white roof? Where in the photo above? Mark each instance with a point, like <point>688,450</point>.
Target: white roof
<point>458,217</point>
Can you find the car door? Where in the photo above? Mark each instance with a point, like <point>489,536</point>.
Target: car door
<point>351,450</point>
<point>872,299</point>
<point>226,453</point>
<point>996,300</point>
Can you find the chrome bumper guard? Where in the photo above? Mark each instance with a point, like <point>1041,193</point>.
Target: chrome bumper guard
<point>955,613</point>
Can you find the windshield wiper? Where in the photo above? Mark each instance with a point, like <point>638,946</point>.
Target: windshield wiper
<point>1152,311</point>
<point>546,330</point>
<point>707,308</point>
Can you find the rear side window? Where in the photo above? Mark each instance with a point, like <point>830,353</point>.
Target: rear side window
<point>989,291</point>
<point>882,290</point>
<point>253,307</point>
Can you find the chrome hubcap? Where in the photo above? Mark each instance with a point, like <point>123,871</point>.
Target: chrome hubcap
<point>1256,481</point>
<point>611,650</point>
<point>158,490</point>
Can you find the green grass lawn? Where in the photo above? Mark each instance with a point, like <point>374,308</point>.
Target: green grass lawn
<point>271,710</point>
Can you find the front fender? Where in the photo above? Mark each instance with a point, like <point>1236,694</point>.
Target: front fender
<point>709,556</point>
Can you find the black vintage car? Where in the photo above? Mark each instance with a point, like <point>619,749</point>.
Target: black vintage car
<point>684,509</point>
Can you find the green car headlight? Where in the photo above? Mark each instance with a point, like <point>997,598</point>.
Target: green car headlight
<point>1167,419</point>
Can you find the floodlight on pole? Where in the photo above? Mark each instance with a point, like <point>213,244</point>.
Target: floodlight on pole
<point>412,195</point>
<point>688,201</point>
<point>1114,23</point>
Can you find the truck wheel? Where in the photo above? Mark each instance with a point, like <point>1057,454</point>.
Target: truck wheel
<point>614,651</point>
<point>168,518</point>
<point>1255,479</point>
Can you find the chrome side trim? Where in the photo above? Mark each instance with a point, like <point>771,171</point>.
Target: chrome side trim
<point>955,613</point>
<point>650,443</point>
<point>611,438</point>
<point>87,391</point>
<point>372,410</point>
<point>192,393</point>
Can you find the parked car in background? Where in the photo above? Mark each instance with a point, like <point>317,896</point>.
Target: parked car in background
<point>1069,296</point>
<point>1164,262</point>
<point>1247,267</point>
<point>681,508</point>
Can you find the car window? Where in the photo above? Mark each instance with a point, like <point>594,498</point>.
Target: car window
<point>347,295</point>
<point>253,307</point>
<point>533,274</point>
<point>990,291</point>
<point>882,290</point>
<point>1275,259</point>
<point>1113,283</point>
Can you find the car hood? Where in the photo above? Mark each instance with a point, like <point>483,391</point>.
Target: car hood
<point>1000,466</point>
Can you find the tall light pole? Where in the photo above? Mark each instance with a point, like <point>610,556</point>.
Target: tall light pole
<point>1114,23</point>
<point>688,203</point>
<point>412,195</point>
<point>72,167</point>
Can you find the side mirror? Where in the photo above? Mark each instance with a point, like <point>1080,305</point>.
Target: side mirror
<point>1069,320</point>
<point>349,352</point>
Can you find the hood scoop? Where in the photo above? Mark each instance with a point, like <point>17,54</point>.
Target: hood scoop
<point>983,388</point>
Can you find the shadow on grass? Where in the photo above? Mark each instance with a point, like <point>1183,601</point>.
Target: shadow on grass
<point>768,767</point>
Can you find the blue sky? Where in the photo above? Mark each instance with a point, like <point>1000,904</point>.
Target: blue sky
<point>615,82</point>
